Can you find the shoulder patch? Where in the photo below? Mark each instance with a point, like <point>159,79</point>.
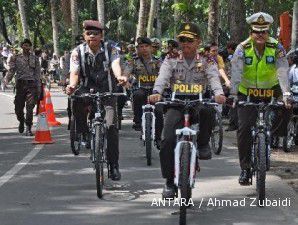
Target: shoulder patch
<point>281,52</point>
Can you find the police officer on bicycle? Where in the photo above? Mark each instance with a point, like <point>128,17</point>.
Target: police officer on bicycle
<point>258,62</point>
<point>90,69</point>
<point>189,68</point>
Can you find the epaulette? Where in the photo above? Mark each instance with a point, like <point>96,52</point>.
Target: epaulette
<point>271,45</point>
<point>246,44</point>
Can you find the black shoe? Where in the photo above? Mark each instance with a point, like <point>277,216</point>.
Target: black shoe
<point>28,131</point>
<point>137,126</point>
<point>231,128</point>
<point>169,190</point>
<point>21,127</point>
<point>205,152</point>
<point>114,172</point>
<point>244,178</point>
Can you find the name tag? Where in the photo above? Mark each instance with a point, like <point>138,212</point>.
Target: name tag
<point>147,80</point>
<point>260,93</point>
<point>187,88</point>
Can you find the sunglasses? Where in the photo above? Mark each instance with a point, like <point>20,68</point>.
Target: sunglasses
<point>93,32</point>
<point>259,32</point>
<point>185,39</point>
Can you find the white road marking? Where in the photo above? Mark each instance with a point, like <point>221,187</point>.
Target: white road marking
<point>11,96</point>
<point>14,170</point>
<point>230,147</point>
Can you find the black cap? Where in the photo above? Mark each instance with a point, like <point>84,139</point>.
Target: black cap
<point>173,43</point>
<point>189,30</point>
<point>143,40</point>
<point>26,41</point>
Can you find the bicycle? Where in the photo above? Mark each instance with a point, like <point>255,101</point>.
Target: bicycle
<point>291,139</point>
<point>261,151</point>
<point>186,151</point>
<point>98,133</point>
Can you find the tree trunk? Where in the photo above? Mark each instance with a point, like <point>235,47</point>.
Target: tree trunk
<point>65,8</point>
<point>143,17</point>
<point>236,19</point>
<point>213,21</point>
<point>158,23</point>
<point>152,16</point>
<point>55,26</point>
<point>101,11</point>
<point>21,5</point>
<point>74,21</point>
<point>176,18</point>
<point>260,6</point>
<point>3,29</point>
<point>295,26</point>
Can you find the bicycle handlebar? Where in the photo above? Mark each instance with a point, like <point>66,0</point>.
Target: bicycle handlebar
<point>169,101</point>
<point>97,95</point>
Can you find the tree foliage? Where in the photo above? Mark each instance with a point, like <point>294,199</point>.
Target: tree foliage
<point>121,18</point>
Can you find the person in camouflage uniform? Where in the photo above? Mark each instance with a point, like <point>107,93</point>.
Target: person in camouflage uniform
<point>26,68</point>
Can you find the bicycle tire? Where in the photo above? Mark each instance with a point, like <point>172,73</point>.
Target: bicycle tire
<point>148,141</point>
<point>185,189</point>
<point>261,169</point>
<point>75,142</point>
<point>296,132</point>
<point>217,134</point>
<point>288,141</point>
<point>99,172</point>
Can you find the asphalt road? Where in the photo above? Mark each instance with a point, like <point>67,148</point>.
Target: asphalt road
<point>46,184</point>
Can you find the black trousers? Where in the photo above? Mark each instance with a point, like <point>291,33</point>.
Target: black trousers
<point>26,94</point>
<point>174,118</point>
<point>83,108</point>
<point>140,99</point>
<point>247,117</point>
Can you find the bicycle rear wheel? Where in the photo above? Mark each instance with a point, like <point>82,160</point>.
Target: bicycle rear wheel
<point>261,168</point>
<point>148,141</point>
<point>75,138</point>
<point>184,181</point>
<point>99,160</point>
<point>217,134</point>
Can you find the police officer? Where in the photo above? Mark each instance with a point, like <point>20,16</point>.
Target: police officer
<point>258,62</point>
<point>142,68</point>
<point>88,68</point>
<point>191,68</point>
<point>156,45</point>
<point>26,68</point>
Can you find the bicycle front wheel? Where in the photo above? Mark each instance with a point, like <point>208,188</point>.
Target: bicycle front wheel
<point>99,160</point>
<point>75,138</point>
<point>261,168</point>
<point>148,141</point>
<point>217,134</point>
<point>184,181</point>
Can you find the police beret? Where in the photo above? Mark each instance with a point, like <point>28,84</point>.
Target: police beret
<point>189,30</point>
<point>92,25</point>
<point>143,40</point>
<point>260,21</point>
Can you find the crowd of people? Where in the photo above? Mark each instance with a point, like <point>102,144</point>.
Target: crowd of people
<point>148,69</point>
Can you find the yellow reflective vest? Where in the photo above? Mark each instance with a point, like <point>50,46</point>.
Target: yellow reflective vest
<point>259,73</point>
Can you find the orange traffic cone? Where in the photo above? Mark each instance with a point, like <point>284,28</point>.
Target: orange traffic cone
<point>50,110</point>
<point>42,134</point>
